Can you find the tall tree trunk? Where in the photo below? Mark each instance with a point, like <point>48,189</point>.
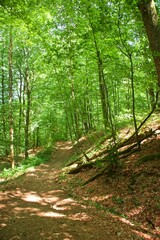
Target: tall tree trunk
<point>152,26</point>
<point>133,99</point>
<point>11,101</point>
<point>4,133</point>
<point>102,83</point>
<point>128,53</point>
<point>27,115</point>
<point>20,112</point>
<point>86,111</point>
<point>75,112</point>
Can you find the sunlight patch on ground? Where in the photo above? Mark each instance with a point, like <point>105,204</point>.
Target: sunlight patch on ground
<point>64,146</point>
<point>50,193</point>
<point>101,198</point>
<point>135,211</point>
<point>124,220</point>
<point>143,235</point>
<point>32,169</point>
<point>66,201</point>
<point>80,217</point>
<point>64,204</point>
<point>3,225</point>
<point>63,208</point>
<point>26,209</point>
<point>4,196</point>
<point>2,206</point>
<point>13,204</point>
<point>50,199</point>
<point>51,214</point>
<point>30,197</point>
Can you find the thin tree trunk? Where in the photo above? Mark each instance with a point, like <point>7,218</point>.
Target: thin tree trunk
<point>86,112</point>
<point>127,52</point>
<point>133,99</point>
<point>20,112</point>
<point>102,84</point>
<point>11,101</point>
<point>27,116</point>
<point>3,105</point>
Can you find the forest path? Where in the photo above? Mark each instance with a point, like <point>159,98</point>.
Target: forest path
<point>35,207</point>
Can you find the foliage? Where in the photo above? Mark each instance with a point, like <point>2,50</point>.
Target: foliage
<point>27,165</point>
<point>71,70</point>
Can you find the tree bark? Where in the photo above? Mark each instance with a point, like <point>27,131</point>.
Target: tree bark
<point>152,26</point>
<point>11,101</point>
<point>3,102</point>
<point>20,111</point>
<point>27,117</point>
<point>102,86</point>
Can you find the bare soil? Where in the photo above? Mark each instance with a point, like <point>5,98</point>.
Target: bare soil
<point>45,205</point>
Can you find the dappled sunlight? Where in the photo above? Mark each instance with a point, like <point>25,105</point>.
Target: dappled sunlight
<point>53,205</point>
<point>31,197</point>
<point>3,225</point>
<point>51,200</point>
<point>61,208</point>
<point>51,193</point>
<point>51,214</point>
<point>40,202</point>
<point>66,201</point>
<point>25,210</point>
<point>14,204</point>
<point>65,204</point>
<point>101,198</point>
<point>2,206</point>
<point>124,220</point>
<point>31,174</point>
<point>143,235</point>
<point>4,196</point>
<point>135,211</point>
<point>40,209</point>
<point>64,145</point>
<point>80,217</point>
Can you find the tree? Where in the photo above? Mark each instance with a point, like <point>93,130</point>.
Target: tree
<point>152,26</point>
<point>70,70</point>
<point>11,123</point>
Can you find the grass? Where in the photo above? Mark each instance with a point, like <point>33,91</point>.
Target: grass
<point>26,165</point>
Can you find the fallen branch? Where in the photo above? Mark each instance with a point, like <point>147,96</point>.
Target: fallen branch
<point>115,153</point>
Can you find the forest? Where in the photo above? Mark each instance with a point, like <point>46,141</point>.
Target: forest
<point>79,70</point>
<point>71,68</point>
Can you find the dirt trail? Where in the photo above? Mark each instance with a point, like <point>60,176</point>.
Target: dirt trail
<point>35,207</point>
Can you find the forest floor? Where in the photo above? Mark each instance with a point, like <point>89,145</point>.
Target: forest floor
<point>43,204</point>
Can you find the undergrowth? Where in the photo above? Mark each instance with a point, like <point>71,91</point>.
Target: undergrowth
<point>26,165</point>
